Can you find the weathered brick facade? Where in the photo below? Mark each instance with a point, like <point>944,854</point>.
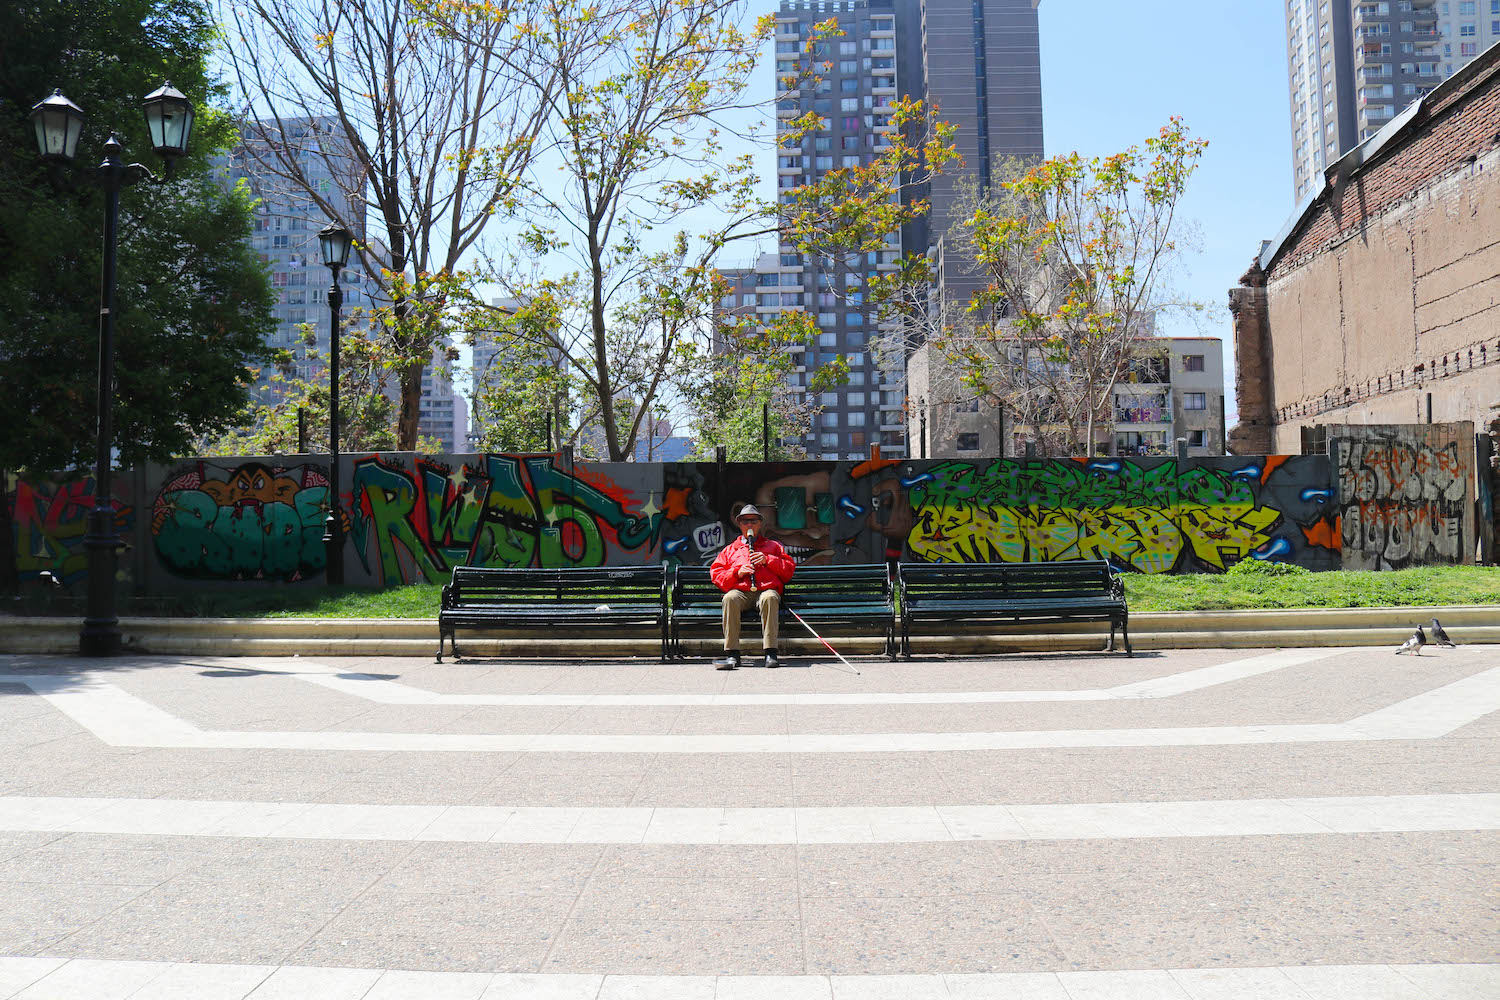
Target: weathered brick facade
<point>1382,304</point>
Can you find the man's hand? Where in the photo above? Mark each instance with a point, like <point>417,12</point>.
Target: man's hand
<point>746,572</point>
<point>757,559</point>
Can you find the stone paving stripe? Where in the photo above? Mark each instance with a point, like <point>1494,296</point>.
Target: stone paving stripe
<point>86,979</point>
<point>775,825</point>
<point>388,692</point>
<point>121,719</point>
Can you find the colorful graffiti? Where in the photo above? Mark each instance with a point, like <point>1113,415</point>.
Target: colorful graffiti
<point>48,522</point>
<point>1388,502</point>
<point>1149,516</point>
<point>505,510</point>
<point>252,521</point>
<point>1407,497</point>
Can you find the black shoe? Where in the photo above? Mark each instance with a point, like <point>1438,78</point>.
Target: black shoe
<point>771,661</point>
<point>729,661</point>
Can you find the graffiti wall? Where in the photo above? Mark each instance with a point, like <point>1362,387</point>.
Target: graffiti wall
<point>48,521</point>
<point>1406,494</point>
<point>250,520</point>
<point>1383,500</point>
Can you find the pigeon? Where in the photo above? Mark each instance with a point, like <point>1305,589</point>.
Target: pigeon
<point>1440,636</point>
<point>1415,643</point>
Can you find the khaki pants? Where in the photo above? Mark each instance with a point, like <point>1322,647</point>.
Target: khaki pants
<point>735,604</point>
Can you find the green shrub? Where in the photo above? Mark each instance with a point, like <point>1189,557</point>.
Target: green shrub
<point>1260,567</point>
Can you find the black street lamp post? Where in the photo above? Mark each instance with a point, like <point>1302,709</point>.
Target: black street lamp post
<point>59,123</point>
<point>335,242</point>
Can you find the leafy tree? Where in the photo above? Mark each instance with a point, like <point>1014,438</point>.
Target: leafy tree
<point>1079,253</point>
<point>434,110</point>
<point>635,133</point>
<point>193,303</point>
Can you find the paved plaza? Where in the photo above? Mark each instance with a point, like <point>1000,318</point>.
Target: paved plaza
<point>1184,825</point>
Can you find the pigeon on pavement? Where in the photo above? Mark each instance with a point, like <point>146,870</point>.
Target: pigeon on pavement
<point>1440,636</point>
<point>1415,643</point>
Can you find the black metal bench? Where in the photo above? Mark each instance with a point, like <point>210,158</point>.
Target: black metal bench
<point>1035,593</point>
<point>480,598</point>
<point>849,599</point>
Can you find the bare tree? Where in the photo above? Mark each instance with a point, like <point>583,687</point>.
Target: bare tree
<point>427,123</point>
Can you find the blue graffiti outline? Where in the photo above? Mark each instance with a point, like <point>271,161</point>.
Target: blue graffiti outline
<point>1322,496</point>
<point>849,507</point>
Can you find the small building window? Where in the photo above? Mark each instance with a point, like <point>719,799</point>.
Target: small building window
<point>968,441</point>
<point>1192,362</point>
<point>1195,401</point>
<point>1197,439</point>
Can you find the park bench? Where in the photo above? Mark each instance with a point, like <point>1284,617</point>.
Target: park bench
<point>481,598</point>
<point>1034,593</point>
<point>853,599</point>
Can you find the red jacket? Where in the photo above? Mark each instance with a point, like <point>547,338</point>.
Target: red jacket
<point>778,568</point>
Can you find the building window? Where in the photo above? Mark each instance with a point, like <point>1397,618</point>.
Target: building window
<point>1195,401</point>
<point>1192,363</point>
<point>1197,439</point>
<point>968,441</point>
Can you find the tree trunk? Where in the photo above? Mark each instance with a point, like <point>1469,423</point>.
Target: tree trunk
<point>410,380</point>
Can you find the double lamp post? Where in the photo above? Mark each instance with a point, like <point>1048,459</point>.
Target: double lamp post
<point>58,124</point>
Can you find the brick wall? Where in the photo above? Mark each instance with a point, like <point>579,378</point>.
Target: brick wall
<point>1384,306</point>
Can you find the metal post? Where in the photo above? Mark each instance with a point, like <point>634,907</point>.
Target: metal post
<point>302,430</point>
<point>1223,428</point>
<point>333,531</point>
<point>101,626</point>
<point>549,431</point>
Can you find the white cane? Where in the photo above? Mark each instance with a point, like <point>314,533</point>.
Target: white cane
<point>825,642</point>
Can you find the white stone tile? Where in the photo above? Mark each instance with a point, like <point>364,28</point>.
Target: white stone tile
<point>889,988</point>
<point>773,988</point>
<point>1238,818</point>
<point>539,825</point>
<point>1355,982</point>
<point>304,983</point>
<point>1005,986</point>
<point>1152,985</point>
<point>685,826</point>
<point>467,823</point>
<point>1453,982</point>
<point>42,815</point>
<point>907,825</point>
<point>18,973</point>
<point>256,819</point>
<point>770,825</point>
<point>430,986</point>
<point>187,981</point>
<point>167,817</point>
<point>1238,984</point>
<point>530,986</point>
<point>982,823</point>
<point>361,822</point>
<point>611,826</point>
<point>657,988</point>
<point>1059,822</point>
<point>834,826</point>
<point>87,979</point>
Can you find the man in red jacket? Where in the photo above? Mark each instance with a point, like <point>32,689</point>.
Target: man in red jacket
<point>751,570</point>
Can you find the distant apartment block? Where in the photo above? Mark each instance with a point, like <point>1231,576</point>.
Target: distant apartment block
<point>285,237</point>
<point>1354,66</point>
<point>979,62</point>
<point>443,414</point>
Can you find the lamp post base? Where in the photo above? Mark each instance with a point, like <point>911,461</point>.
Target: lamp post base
<point>100,637</point>
<point>101,626</point>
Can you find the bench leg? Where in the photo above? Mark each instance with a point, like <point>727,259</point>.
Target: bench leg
<point>440,646</point>
<point>1125,627</point>
<point>1111,647</point>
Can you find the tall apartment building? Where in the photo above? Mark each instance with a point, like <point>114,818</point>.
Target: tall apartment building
<point>286,238</point>
<point>978,61</point>
<point>1354,65</point>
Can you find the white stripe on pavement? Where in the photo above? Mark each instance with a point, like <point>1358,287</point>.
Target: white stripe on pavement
<point>120,719</point>
<point>86,979</point>
<point>388,692</point>
<point>768,825</point>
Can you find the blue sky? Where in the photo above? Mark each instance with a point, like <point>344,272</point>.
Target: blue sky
<point>1114,72</point>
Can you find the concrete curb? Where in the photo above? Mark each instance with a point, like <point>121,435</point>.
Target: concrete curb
<point>417,637</point>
